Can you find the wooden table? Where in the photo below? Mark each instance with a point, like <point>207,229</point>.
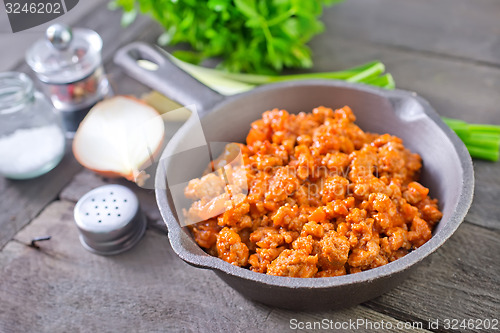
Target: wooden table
<point>447,51</point>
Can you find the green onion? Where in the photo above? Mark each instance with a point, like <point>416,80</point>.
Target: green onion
<point>487,144</point>
<point>462,130</point>
<point>385,81</point>
<point>370,73</point>
<point>484,136</point>
<point>483,153</point>
<point>482,141</point>
<point>479,128</point>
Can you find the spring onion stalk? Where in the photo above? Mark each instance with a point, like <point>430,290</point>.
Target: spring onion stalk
<point>461,130</point>
<point>480,128</point>
<point>482,141</point>
<point>360,74</point>
<point>487,144</point>
<point>371,72</point>
<point>483,153</point>
<point>485,136</point>
<point>385,81</point>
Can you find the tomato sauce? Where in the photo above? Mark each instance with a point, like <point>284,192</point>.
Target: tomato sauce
<point>323,198</point>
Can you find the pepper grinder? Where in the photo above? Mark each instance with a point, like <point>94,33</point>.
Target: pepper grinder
<point>69,65</point>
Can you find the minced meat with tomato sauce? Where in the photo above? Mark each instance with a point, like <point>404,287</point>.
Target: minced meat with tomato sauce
<point>323,198</point>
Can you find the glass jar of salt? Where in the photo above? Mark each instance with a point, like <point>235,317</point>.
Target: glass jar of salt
<point>68,63</point>
<point>32,138</point>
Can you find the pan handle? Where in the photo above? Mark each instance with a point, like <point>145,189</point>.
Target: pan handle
<point>165,77</point>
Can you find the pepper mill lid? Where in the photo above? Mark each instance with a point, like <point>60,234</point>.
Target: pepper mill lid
<point>65,55</point>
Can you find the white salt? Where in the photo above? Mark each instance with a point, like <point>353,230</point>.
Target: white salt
<point>27,151</point>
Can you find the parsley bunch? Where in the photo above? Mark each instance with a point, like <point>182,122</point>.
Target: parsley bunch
<point>254,36</point>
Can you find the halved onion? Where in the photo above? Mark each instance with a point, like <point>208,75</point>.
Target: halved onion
<point>119,137</point>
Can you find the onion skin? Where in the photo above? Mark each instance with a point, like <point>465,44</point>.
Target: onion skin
<point>137,176</point>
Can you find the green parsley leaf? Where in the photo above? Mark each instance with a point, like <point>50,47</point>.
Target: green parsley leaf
<point>255,36</point>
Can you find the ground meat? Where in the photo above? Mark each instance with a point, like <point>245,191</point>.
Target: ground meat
<point>230,247</point>
<point>283,184</point>
<point>260,260</point>
<point>335,188</point>
<point>207,187</point>
<point>313,196</point>
<point>334,248</point>
<point>333,271</point>
<point>363,256</point>
<point>205,233</point>
<point>314,229</point>
<point>293,263</point>
<point>304,243</point>
<point>267,237</point>
<point>235,214</point>
<point>420,232</point>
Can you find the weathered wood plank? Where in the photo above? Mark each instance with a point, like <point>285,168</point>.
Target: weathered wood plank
<point>461,280</point>
<point>67,288</point>
<point>463,253</point>
<point>20,201</point>
<point>150,289</point>
<point>355,319</point>
<point>455,88</point>
<point>485,209</point>
<point>461,29</point>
